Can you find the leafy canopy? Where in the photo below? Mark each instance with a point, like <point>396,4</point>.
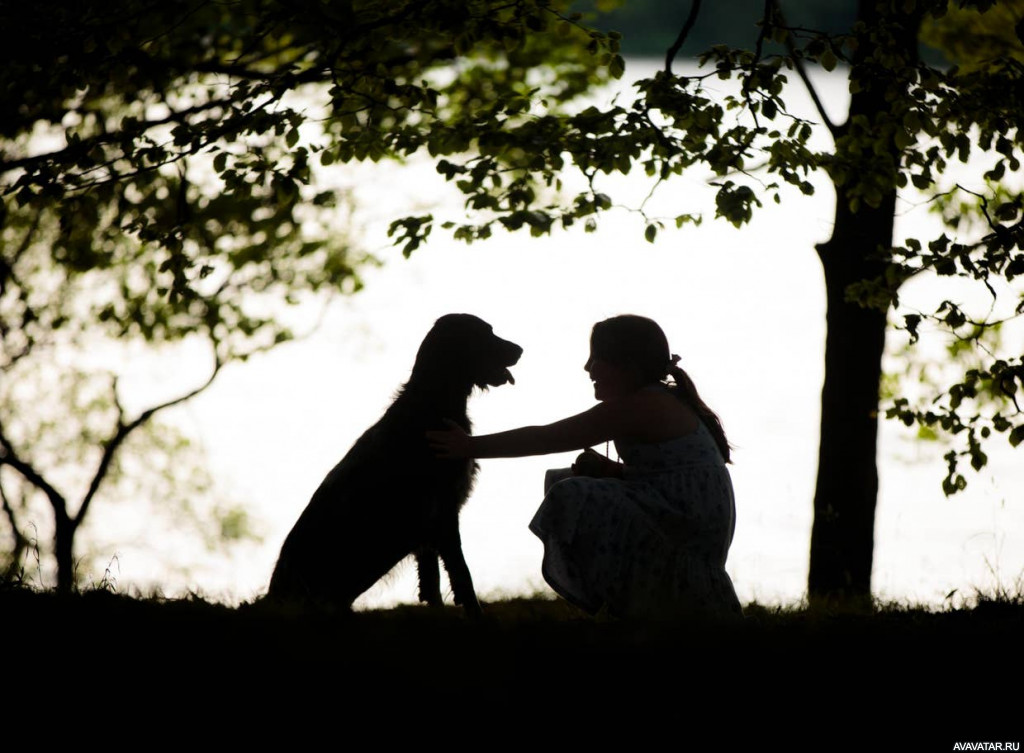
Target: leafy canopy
<point>945,135</point>
<point>159,167</point>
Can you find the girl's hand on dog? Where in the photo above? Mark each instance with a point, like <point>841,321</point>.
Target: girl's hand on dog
<point>452,442</point>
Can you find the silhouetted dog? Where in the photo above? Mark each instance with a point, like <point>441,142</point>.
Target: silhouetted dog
<point>390,496</point>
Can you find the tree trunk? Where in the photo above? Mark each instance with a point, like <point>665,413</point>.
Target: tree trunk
<point>842,539</point>
<point>64,544</point>
<point>843,535</point>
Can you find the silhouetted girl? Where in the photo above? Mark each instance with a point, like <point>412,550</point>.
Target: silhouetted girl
<point>647,537</point>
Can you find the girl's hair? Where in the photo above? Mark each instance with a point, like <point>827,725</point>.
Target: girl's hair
<point>639,343</point>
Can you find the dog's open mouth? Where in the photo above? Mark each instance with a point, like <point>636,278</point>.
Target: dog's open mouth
<point>501,377</point>
<point>503,358</point>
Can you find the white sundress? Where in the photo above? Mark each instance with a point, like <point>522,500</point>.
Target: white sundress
<point>652,544</point>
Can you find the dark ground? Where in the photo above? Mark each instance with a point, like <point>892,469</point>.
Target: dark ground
<point>890,679</point>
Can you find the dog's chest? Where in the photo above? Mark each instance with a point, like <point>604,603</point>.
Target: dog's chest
<point>411,472</point>
<point>451,481</point>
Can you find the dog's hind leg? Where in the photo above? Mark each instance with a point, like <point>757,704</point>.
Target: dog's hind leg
<point>430,576</point>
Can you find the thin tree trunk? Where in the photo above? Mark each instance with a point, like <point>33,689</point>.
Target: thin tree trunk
<point>64,540</point>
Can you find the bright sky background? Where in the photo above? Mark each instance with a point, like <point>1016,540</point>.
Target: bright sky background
<point>744,309</point>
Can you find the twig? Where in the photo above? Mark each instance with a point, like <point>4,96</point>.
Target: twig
<point>802,72</point>
<point>683,33</point>
<point>767,21</point>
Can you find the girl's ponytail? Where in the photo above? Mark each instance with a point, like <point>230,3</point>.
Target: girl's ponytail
<point>686,391</point>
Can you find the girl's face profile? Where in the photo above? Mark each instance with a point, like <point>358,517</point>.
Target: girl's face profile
<point>611,381</point>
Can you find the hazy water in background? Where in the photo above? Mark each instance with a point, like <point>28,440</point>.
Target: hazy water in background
<point>745,310</point>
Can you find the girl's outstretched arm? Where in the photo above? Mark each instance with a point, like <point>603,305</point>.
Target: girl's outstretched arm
<point>599,424</point>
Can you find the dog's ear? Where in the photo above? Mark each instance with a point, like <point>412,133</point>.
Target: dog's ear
<point>447,351</point>
<point>492,361</point>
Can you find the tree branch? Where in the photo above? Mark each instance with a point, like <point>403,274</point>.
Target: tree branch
<point>21,541</point>
<point>9,457</point>
<point>7,265</point>
<point>767,22</point>
<point>7,274</point>
<point>683,33</point>
<point>123,430</point>
<point>111,176</point>
<point>802,72</point>
<point>71,151</point>
<point>175,25</point>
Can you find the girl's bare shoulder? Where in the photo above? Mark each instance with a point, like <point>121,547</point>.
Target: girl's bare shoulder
<point>659,415</point>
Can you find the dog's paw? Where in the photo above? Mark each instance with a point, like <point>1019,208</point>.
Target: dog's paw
<point>432,599</point>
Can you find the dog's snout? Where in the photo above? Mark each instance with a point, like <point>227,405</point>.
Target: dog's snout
<point>513,352</point>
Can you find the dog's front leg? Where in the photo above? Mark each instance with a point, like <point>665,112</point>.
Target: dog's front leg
<point>430,576</point>
<point>450,549</point>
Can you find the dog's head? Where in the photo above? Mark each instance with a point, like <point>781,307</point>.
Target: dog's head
<point>462,349</point>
